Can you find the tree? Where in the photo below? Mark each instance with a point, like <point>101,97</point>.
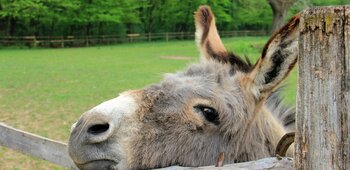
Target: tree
<point>120,17</point>
<point>148,14</point>
<point>280,11</point>
<point>251,15</point>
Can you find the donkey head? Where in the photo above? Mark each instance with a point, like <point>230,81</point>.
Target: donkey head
<point>190,117</point>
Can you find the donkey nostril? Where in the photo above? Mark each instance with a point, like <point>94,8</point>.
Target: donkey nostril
<point>98,128</point>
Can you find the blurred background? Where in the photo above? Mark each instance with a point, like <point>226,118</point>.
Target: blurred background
<point>59,58</point>
<point>121,17</point>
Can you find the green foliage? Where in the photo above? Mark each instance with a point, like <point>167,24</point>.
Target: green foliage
<point>303,4</point>
<point>253,14</point>
<point>93,17</point>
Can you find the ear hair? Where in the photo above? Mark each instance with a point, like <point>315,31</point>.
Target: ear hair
<point>209,42</point>
<point>278,58</point>
<point>207,37</point>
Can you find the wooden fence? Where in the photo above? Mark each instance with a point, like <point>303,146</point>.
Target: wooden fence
<point>322,139</point>
<point>79,41</point>
<point>57,153</point>
<point>323,99</point>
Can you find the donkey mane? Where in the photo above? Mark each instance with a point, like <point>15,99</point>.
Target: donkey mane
<point>283,112</point>
<point>238,64</point>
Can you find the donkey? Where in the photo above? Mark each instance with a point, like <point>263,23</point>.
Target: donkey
<point>223,104</point>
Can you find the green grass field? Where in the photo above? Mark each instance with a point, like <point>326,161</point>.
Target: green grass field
<point>44,91</point>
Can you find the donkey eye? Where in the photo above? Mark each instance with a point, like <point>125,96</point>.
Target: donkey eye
<point>209,113</point>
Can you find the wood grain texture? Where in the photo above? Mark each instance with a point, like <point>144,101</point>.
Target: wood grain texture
<point>56,152</point>
<point>346,87</point>
<point>262,164</point>
<point>34,145</point>
<point>322,137</point>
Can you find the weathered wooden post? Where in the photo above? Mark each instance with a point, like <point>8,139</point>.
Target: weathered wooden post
<point>323,101</point>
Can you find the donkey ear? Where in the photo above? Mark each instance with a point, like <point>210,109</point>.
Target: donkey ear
<point>278,58</point>
<point>207,37</point>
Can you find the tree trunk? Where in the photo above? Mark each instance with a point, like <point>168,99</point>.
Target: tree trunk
<point>11,26</point>
<point>280,11</point>
<point>2,23</point>
<point>100,24</point>
<point>52,29</point>
<point>72,30</point>
<point>88,28</point>
<point>278,19</point>
<point>323,101</point>
<point>150,19</point>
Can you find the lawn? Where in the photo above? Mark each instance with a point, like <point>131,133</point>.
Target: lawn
<point>44,91</point>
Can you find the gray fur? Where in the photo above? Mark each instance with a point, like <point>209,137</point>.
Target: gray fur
<point>161,125</point>
<point>180,142</point>
<point>286,114</point>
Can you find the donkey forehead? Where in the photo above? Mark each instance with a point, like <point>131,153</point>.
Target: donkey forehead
<point>197,77</point>
<point>206,80</point>
<point>201,84</point>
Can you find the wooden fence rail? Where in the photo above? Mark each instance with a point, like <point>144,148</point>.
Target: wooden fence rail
<point>34,145</point>
<point>322,138</point>
<point>79,41</point>
<point>57,153</point>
